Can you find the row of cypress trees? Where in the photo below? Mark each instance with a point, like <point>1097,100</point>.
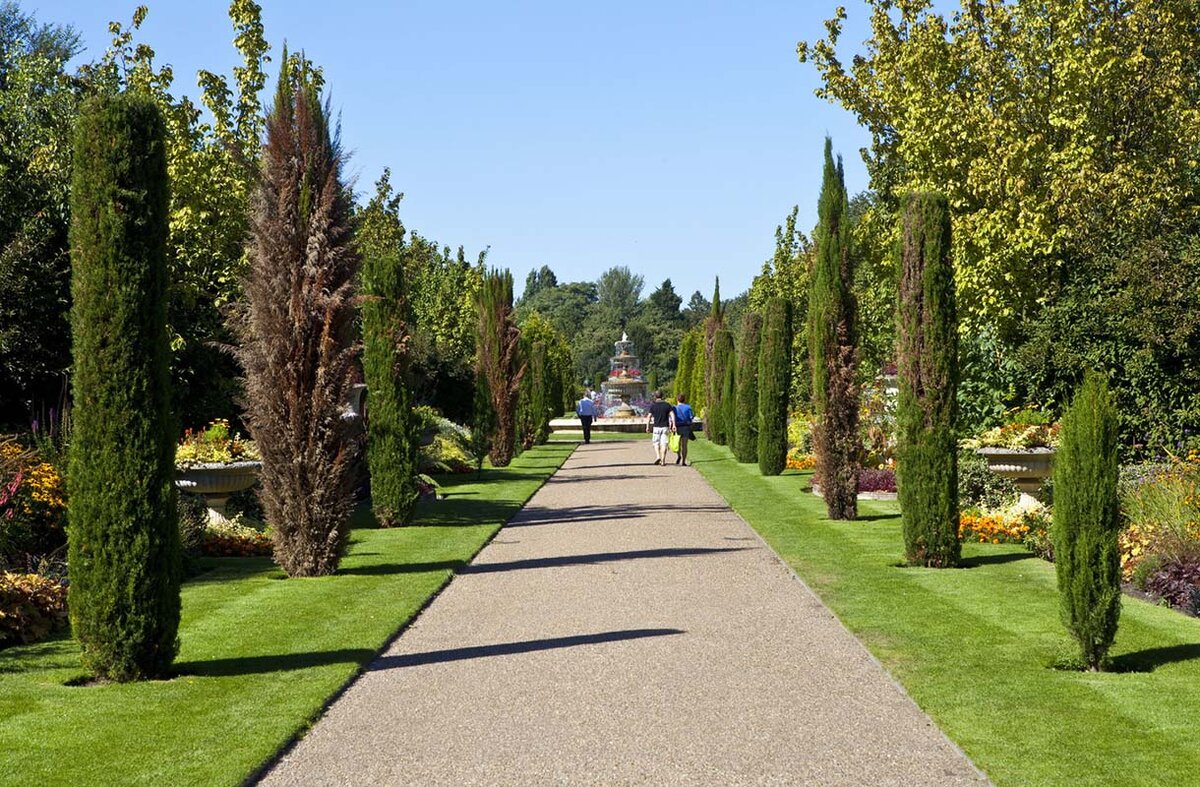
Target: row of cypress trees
<point>1086,518</point>
<point>298,345</point>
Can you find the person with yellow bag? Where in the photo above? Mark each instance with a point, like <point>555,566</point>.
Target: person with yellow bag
<point>683,429</point>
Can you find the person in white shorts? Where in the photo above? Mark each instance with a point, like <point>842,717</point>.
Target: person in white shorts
<point>660,422</point>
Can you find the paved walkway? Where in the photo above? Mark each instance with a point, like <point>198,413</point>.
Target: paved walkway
<point>625,628</point>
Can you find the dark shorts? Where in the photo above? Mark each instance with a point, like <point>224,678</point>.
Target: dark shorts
<point>684,431</point>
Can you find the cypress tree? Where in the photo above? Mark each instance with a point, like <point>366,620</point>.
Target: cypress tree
<point>708,377</point>
<point>391,443</point>
<point>699,370</point>
<point>683,372</point>
<point>499,367</point>
<point>745,428</point>
<point>124,553</point>
<point>716,414</point>
<point>927,365</point>
<point>298,329</point>
<point>728,418</point>
<point>832,338</point>
<point>1087,521</point>
<point>774,384</point>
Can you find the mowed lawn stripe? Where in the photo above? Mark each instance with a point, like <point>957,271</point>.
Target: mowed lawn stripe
<point>260,654</point>
<point>975,646</point>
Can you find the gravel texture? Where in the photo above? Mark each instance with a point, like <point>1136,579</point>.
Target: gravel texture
<point>627,627</point>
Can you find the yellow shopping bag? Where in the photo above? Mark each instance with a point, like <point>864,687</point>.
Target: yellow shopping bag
<point>673,442</point>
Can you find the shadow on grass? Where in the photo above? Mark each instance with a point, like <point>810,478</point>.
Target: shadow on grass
<point>512,648</point>
<point>1150,659</point>
<point>541,562</point>
<point>994,560</point>
<point>261,665</point>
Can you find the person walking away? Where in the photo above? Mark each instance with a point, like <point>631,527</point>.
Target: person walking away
<point>683,427</point>
<point>586,410</point>
<point>660,421</point>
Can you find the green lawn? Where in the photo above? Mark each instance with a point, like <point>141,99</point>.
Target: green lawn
<point>974,646</point>
<point>260,655</point>
<point>597,436</point>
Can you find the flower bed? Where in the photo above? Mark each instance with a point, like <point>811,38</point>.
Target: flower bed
<point>31,608</point>
<point>235,540</point>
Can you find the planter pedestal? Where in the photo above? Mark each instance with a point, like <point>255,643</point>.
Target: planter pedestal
<point>216,482</point>
<point>1027,468</point>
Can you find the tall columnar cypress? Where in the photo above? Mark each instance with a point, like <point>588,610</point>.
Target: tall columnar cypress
<point>683,372</point>
<point>499,366</point>
<point>298,329</point>
<point>716,422</point>
<point>728,416</point>
<point>391,447</point>
<point>927,366</point>
<point>124,540</point>
<point>699,371</point>
<point>708,377</point>
<point>745,427</point>
<point>1087,521</point>
<point>832,341</point>
<point>774,384</point>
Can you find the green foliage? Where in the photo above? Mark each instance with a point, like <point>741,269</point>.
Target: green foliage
<point>38,105</point>
<point>832,346</point>
<point>387,356</point>
<point>684,372</point>
<point>499,366</point>
<point>774,369</point>
<point>483,423</point>
<point>213,154</point>
<point>298,329</point>
<point>717,414</point>
<point>979,487</point>
<point>745,427</point>
<point>124,541</point>
<point>1087,521</point>
<point>391,443</point>
<point>927,371</point>
<point>727,417</point>
<point>547,389</point>
<point>788,275</point>
<point>1070,172</point>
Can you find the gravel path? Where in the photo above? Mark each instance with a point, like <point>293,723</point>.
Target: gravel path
<point>627,627</point>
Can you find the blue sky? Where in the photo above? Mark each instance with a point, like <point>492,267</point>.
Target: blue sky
<point>671,137</point>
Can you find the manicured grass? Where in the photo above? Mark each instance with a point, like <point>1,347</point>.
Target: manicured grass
<point>974,646</point>
<point>577,437</point>
<point>260,654</point>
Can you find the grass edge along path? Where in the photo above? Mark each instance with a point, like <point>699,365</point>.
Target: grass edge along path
<point>975,646</point>
<point>261,655</point>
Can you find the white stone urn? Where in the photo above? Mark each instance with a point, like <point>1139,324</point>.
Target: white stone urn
<point>1027,467</point>
<point>216,481</point>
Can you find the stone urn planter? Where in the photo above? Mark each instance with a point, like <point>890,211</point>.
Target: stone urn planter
<point>216,481</point>
<point>1026,467</point>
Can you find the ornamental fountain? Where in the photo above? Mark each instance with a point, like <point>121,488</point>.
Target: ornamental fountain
<point>625,382</point>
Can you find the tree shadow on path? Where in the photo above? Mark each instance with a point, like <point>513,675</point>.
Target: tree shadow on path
<point>512,648</point>
<point>541,562</point>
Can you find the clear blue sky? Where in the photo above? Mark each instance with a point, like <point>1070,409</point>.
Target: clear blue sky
<point>671,137</point>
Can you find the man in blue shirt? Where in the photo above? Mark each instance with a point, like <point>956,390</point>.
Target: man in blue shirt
<point>586,410</point>
<point>683,427</point>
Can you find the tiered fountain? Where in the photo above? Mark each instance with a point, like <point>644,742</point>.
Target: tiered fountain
<point>625,382</point>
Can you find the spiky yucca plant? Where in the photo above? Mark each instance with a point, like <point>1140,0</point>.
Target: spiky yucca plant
<point>498,364</point>
<point>297,328</point>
